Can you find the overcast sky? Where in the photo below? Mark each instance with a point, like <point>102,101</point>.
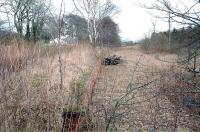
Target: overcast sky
<point>136,22</point>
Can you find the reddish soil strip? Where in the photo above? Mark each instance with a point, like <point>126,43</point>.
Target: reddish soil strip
<point>92,82</point>
<point>90,88</point>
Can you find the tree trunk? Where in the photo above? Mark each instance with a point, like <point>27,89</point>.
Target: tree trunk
<point>28,28</point>
<point>169,32</point>
<point>89,30</point>
<point>34,31</point>
<point>195,62</point>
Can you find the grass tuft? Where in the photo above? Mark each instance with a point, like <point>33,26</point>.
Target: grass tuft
<point>38,80</point>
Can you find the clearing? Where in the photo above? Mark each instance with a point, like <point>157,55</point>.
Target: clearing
<point>132,96</point>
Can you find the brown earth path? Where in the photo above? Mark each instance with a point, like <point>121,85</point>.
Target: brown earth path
<point>122,103</point>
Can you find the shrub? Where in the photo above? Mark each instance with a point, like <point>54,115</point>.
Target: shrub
<point>156,43</point>
<point>78,90</point>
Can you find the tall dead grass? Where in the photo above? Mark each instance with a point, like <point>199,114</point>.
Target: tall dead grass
<point>16,56</point>
<point>30,96</point>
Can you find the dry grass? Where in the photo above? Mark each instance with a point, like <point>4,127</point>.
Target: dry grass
<point>31,98</point>
<point>125,106</point>
<point>137,69</point>
<point>16,56</point>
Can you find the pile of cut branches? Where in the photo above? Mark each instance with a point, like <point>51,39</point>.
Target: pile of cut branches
<point>112,60</point>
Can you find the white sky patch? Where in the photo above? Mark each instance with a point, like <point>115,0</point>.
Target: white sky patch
<point>134,22</point>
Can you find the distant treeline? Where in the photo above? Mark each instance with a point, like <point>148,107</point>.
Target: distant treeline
<point>74,29</point>
<point>179,38</point>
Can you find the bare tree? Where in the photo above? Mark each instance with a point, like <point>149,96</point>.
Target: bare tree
<point>169,28</point>
<point>75,27</point>
<point>183,14</point>
<point>93,11</point>
<point>28,16</point>
<point>153,22</point>
<point>108,32</point>
<point>1,24</point>
<point>186,15</point>
<point>40,11</point>
<point>60,26</point>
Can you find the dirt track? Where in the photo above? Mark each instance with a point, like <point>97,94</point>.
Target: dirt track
<point>121,104</point>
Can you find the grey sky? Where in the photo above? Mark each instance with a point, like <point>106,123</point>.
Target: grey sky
<point>134,22</point>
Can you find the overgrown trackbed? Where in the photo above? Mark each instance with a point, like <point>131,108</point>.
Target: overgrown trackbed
<point>129,96</point>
